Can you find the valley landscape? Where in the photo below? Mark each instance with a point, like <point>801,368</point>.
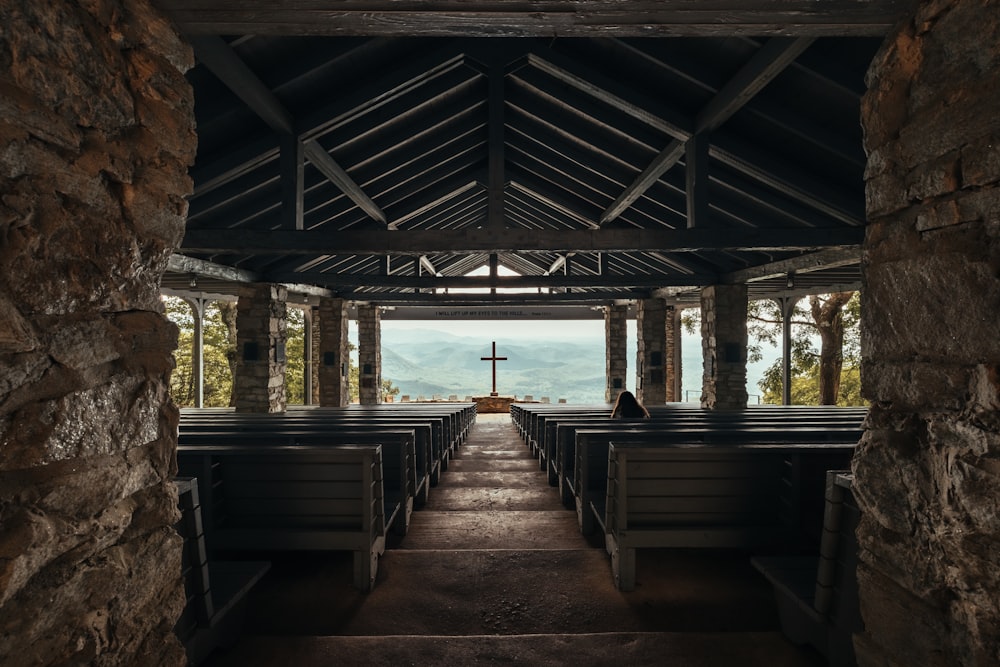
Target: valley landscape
<point>429,362</point>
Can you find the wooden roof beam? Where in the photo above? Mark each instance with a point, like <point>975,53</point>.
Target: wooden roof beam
<point>226,65</point>
<point>494,281</point>
<point>515,18</point>
<point>773,57</point>
<point>472,240</point>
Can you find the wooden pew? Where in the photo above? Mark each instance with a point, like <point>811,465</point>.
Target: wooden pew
<point>404,468</point>
<point>325,419</point>
<point>817,595</point>
<point>719,496</point>
<point>578,470</point>
<point>290,498</point>
<point>215,590</point>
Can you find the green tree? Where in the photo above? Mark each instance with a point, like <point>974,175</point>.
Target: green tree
<point>828,376</point>
<point>388,389</point>
<point>219,352</point>
<point>295,345</point>
<point>182,378</point>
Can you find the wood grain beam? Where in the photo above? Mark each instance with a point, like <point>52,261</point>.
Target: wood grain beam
<point>335,173</point>
<point>516,18</point>
<point>470,240</point>
<point>178,263</point>
<point>226,65</point>
<point>662,163</point>
<point>763,66</point>
<point>769,61</point>
<point>292,182</point>
<point>815,261</point>
<point>498,282</point>
<point>599,297</point>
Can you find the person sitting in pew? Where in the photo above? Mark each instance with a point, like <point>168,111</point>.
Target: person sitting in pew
<point>628,407</point>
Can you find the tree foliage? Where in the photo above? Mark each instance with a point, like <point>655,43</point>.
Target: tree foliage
<point>838,314</point>
<point>826,374</point>
<point>219,335</point>
<point>219,353</point>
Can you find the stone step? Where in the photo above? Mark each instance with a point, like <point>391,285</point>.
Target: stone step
<point>486,498</point>
<point>534,478</point>
<point>509,529</point>
<point>509,591</point>
<point>747,649</point>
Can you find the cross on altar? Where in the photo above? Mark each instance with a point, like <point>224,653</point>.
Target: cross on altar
<point>494,359</point>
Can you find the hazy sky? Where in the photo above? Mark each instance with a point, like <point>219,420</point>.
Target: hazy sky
<point>488,330</point>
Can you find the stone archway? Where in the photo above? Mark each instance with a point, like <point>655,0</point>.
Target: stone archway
<point>927,472</point>
<point>96,137</point>
<point>96,134</point>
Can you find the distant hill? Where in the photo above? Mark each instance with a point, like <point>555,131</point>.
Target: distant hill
<point>425,362</point>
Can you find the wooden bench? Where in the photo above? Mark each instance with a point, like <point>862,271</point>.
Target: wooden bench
<point>216,591</point>
<point>403,477</point>
<point>817,596</point>
<point>555,447</point>
<point>281,498</point>
<point>583,451</point>
<point>325,420</point>
<point>718,496</point>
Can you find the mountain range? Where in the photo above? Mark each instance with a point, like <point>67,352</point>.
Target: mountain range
<point>424,362</point>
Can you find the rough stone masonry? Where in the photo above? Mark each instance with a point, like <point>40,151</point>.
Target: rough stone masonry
<point>96,136</point>
<point>928,468</point>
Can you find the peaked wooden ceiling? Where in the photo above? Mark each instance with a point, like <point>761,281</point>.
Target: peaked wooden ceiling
<point>383,150</point>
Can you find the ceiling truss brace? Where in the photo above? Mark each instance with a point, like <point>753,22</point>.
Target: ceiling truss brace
<point>227,66</point>
<point>763,67</point>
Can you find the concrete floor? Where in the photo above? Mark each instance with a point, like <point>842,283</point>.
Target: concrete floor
<point>495,571</point>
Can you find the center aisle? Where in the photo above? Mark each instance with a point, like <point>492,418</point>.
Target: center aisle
<point>494,569</point>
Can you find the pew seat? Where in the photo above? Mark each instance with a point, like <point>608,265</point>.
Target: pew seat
<point>215,591</point>
<point>294,498</point>
<point>708,496</point>
<point>817,596</point>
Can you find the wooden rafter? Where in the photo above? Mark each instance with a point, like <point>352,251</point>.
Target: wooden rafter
<point>381,242</point>
<point>514,18</point>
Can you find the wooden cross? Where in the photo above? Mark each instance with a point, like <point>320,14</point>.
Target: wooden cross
<point>494,359</point>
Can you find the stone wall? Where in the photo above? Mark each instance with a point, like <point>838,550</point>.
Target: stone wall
<point>927,472</point>
<point>615,351</point>
<point>333,360</point>
<point>651,348</point>
<point>96,136</point>
<point>724,347</point>
<point>261,337</point>
<point>493,404</point>
<point>369,355</point>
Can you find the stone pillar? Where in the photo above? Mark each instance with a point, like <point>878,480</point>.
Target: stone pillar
<point>675,381</point>
<point>724,347</point>
<point>926,471</point>
<point>333,353</point>
<point>651,352</point>
<point>615,351</point>
<point>369,355</point>
<point>97,138</point>
<point>260,349</point>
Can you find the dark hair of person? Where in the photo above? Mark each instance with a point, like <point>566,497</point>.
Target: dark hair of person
<point>628,407</point>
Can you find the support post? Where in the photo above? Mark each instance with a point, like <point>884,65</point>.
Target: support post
<point>332,358</point>
<point>615,351</point>
<point>651,348</point>
<point>369,355</point>
<point>261,328</point>
<point>724,347</point>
